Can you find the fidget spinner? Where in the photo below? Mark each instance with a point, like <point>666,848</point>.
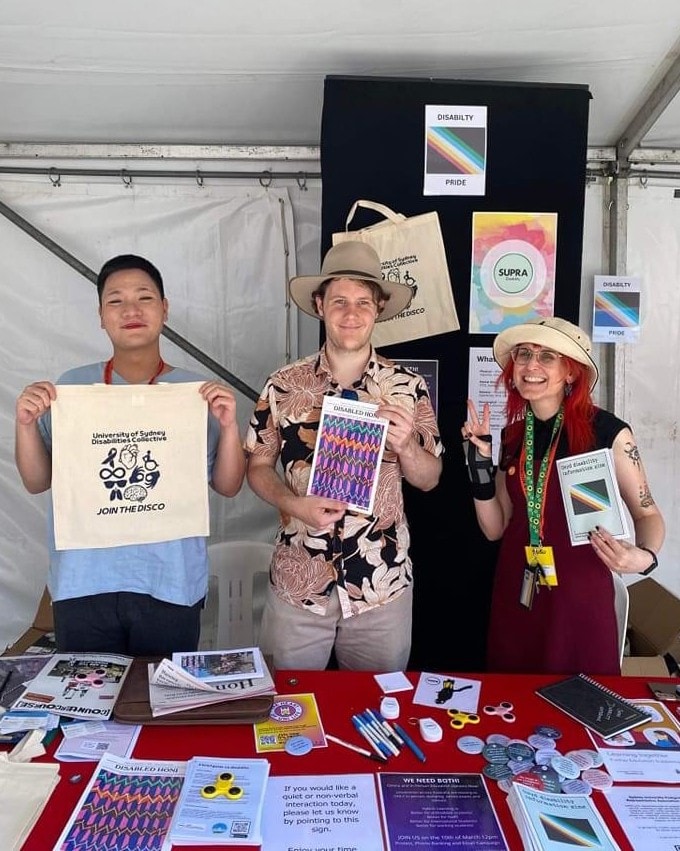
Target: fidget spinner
<point>504,709</point>
<point>459,719</point>
<point>223,785</point>
<point>91,678</point>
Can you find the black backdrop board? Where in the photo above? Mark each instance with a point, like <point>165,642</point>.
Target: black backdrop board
<point>372,147</point>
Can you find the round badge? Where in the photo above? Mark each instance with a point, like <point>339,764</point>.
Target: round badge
<point>526,778</point>
<point>518,766</point>
<point>576,787</point>
<point>595,756</point>
<point>566,767</point>
<point>547,730</point>
<point>298,745</point>
<point>496,771</point>
<point>495,753</point>
<point>551,782</point>
<point>497,739</point>
<point>505,784</point>
<point>597,778</point>
<point>520,751</point>
<point>470,744</point>
<point>583,758</point>
<point>544,756</point>
<point>536,740</point>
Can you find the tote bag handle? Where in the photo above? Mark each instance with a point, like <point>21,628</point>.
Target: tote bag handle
<point>379,208</point>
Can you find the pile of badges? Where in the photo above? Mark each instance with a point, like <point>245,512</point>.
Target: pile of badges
<point>538,763</point>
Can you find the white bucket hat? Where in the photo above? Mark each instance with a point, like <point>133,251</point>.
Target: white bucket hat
<point>552,333</point>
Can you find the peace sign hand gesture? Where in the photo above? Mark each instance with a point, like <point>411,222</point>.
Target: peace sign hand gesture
<point>476,431</point>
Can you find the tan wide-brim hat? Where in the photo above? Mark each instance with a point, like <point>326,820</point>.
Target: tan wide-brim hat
<point>355,260</point>
<point>552,333</point>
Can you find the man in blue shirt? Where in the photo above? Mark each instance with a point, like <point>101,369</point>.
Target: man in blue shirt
<point>136,599</point>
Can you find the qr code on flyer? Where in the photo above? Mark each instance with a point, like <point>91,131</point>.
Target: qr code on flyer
<point>240,829</point>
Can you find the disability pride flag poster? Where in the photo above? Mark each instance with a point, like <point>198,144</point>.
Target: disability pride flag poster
<point>616,309</point>
<point>349,448</point>
<point>455,150</point>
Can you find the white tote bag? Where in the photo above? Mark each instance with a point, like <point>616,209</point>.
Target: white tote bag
<point>411,252</point>
<point>129,464</point>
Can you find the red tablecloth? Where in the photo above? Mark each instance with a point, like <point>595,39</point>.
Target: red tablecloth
<point>339,695</point>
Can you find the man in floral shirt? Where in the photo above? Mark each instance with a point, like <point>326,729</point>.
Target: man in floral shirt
<point>340,578</point>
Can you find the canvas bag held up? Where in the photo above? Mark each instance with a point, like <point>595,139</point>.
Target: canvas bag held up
<point>411,252</point>
<point>129,464</point>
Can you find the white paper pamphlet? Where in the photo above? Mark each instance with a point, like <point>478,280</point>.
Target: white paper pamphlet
<point>444,691</point>
<point>591,495</point>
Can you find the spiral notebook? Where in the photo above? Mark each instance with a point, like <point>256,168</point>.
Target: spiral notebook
<point>593,705</point>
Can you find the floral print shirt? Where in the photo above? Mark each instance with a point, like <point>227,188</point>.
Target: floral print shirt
<point>366,556</point>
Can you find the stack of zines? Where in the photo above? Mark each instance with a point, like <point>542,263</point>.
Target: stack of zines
<point>181,684</point>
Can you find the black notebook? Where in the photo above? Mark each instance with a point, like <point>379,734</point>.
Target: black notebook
<point>593,705</point>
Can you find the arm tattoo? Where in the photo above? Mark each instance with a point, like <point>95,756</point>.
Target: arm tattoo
<point>633,453</point>
<point>646,499</point>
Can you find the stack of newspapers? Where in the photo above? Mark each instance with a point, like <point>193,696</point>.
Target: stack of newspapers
<point>191,680</point>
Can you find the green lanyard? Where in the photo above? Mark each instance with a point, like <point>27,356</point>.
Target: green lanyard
<point>535,493</point>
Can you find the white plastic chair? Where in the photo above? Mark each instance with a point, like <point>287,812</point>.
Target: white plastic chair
<point>242,571</point>
<point>621,609</point>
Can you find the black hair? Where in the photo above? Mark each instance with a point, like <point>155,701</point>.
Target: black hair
<point>128,261</point>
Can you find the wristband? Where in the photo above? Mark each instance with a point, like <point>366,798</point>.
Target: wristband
<point>653,565</point>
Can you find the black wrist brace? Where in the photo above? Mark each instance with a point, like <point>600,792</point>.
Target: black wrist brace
<point>480,469</point>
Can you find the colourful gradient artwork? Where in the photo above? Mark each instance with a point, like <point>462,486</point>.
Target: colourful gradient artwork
<point>128,804</point>
<point>512,270</point>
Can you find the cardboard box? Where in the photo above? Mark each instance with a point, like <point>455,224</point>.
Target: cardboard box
<point>43,624</point>
<point>653,628</point>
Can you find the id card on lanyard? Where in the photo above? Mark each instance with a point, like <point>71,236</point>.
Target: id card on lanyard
<point>540,568</point>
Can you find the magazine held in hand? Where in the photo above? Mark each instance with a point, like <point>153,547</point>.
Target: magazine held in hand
<point>591,495</point>
<point>349,448</point>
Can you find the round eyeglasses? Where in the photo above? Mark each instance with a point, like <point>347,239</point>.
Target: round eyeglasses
<point>523,355</point>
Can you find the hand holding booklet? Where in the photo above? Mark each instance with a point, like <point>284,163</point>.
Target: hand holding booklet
<point>591,496</point>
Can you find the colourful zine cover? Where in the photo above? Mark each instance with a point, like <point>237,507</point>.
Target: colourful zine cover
<point>128,803</point>
<point>349,448</point>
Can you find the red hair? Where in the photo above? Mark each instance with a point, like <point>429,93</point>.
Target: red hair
<point>579,411</point>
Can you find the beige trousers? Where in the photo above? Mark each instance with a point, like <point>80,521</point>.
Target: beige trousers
<point>376,640</point>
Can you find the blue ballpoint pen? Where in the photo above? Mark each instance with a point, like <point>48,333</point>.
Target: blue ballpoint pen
<point>410,743</point>
<point>374,726</point>
<point>379,747</point>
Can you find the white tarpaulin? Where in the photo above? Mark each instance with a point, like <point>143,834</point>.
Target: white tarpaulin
<point>224,253</point>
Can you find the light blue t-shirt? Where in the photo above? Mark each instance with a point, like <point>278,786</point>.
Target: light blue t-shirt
<point>173,571</point>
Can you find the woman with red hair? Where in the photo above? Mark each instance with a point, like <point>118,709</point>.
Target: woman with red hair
<point>552,608</point>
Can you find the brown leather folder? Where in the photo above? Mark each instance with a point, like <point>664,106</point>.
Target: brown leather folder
<point>132,706</point>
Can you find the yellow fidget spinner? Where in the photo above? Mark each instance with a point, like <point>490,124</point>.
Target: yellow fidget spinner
<point>223,785</point>
<point>459,719</point>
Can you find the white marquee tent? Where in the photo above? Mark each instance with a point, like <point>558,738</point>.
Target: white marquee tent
<point>152,126</point>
